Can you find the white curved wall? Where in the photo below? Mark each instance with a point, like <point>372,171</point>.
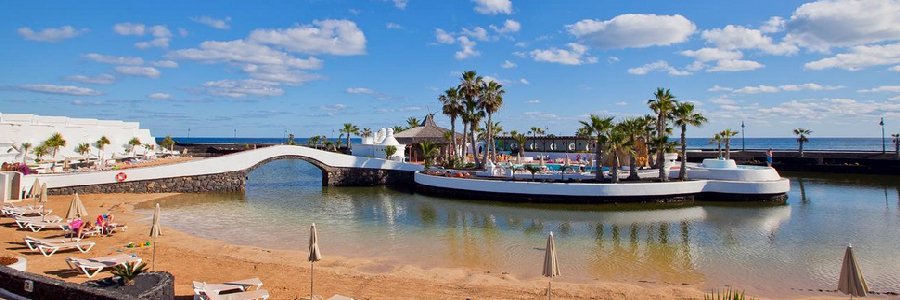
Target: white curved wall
<point>228,163</point>
<point>611,190</point>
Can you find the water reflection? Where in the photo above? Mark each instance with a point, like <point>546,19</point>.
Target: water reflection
<point>757,246</point>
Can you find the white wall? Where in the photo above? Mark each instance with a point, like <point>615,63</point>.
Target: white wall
<point>228,163</point>
<point>34,129</point>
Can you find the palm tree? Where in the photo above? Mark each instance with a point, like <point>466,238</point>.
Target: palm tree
<point>726,136</point>
<point>662,104</point>
<point>617,141</point>
<point>23,148</point>
<point>496,130</point>
<point>717,139</point>
<point>429,150</point>
<point>103,141</point>
<point>168,142</point>
<point>599,128</point>
<point>895,138</point>
<point>365,133</point>
<point>520,139</point>
<point>451,106</point>
<point>134,142</point>
<point>685,116</point>
<point>348,130</point>
<point>55,142</point>
<point>490,101</point>
<point>83,149</point>
<point>412,122</point>
<point>389,151</point>
<point>313,141</point>
<point>633,128</point>
<point>469,88</point>
<point>291,139</point>
<point>474,117</point>
<point>40,151</point>
<point>149,148</point>
<point>398,128</point>
<point>535,132</point>
<point>802,137</point>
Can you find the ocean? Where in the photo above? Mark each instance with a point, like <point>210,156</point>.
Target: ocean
<point>834,144</point>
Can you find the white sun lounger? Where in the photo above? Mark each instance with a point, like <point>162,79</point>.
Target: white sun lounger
<point>82,246</point>
<point>250,295</point>
<point>37,226</point>
<point>92,266</point>
<point>201,289</point>
<point>24,221</point>
<point>32,242</point>
<point>24,212</point>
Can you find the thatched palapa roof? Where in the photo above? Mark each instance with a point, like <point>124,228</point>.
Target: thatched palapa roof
<point>427,132</point>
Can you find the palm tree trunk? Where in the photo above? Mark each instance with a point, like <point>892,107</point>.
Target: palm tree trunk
<point>598,161</point>
<point>452,136</point>
<point>801,148</point>
<point>465,147</point>
<point>682,173</point>
<point>632,166</point>
<point>487,148</point>
<point>474,149</point>
<point>614,170</point>
<point>727,148</point>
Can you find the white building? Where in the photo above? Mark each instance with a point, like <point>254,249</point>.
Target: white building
<point>16,129</point>
<point>373,146</point>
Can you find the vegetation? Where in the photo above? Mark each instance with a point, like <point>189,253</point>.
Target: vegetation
<point>727,134</point>
<point>83,149</point>
<point>895,138</point>
<point>490,101</point>
<point>727,294</point>
<point>469,90</point>
<point>55,142</point>
<point>451,106</point>
<point>598,128</point>
<point>24,148</point>
<point>717,139</point>
<point>686,116</point>
<point>129,271</point>
<point>389,151</point>
<point>429,150</point>
<point>149,147</point>
<point>802,137</point>
<point>348,130</point>
<point>412,122</point>
<point>520,139</point>
<point>533,169</point>
<point>134,142</point>
<point>168,143</point>
<point>315,141</point>
<point>662,104</point>
<point>365,133</point>
<point>39,152</point>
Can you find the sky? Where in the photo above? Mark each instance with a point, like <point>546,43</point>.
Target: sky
<point>263,68</point>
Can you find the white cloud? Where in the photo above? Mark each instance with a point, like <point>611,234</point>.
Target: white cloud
<point>165,64</point>
<point>711,54</point>
<point>774,24</point>
<point>735,65</point>
<point>368,92</point>
<point>895,68</point>
<point>129,28</point>
<point>279,73</point>
<point>443,37</point>
<point>213,22</point>
<point>400,4</point>
<point>859,58</point>
<point>150,72</point>
<point>493,7</point>
<point>242,88</point>
<point>718,88</point>
<point>392,25</point>
<point>786,88</point>
<point>633,31</point>
<point>334,37</point>
<point>99,79</point>
<point>477,33</point>
<point>883,88</point>
<point>821,25</point>
<point>733,37</point>
<point>115,60</point>
<point>576,55</point>
<point>467,50</point>
<point>621,103</point>
<point>509,26</point>
<point>519,54</point>
<point>242,52</point>
<point>333,107</point>
<point>659,65</point>
<point>50,35</point>
<point>830,109</point>
<point>508,64</point>
<point>159,96</point>
<point>182,32</point>
<point>70,90</point>
<point>534,101</point>
<point>488,78</point>
<point>723,101</point>
<point>524,81</point>
<point>612,59</point>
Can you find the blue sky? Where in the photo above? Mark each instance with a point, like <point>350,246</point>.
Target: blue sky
<point>308,66</point>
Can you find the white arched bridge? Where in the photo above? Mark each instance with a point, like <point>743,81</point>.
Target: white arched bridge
<point>228,173</point>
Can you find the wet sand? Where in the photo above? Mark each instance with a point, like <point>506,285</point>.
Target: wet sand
<point>286,274</point>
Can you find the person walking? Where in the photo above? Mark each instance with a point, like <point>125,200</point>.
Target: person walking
<point>769,154</point>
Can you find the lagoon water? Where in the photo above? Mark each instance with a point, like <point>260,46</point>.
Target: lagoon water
<point>767,250</point>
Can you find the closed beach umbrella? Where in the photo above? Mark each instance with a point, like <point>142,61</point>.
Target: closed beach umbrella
<point>35,190</point>
<point>851,281</point>
<point>155,231</point>
<point>76,209</point>
<point>551,266</point>
<point>43,200</point>
<point>314,255</point>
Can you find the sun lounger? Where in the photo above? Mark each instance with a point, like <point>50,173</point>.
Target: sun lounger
<point>92,266</point>
<point>250,295</point>
<point>32,242</point>
<point>37,226</point>
<point>340,297</point>
<point>23,222</point>
<point>201,289</point>
<point>52,247</point>
<point>28,211</point>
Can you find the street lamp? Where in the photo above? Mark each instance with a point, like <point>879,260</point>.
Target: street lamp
<point>189,132</point>
<point>743,142</point>
<point>235,133</point>
<point>883,141</point>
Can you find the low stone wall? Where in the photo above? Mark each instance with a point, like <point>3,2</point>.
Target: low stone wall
<point>49,288</point>
<point>364,177</point>
<point>220,182</point>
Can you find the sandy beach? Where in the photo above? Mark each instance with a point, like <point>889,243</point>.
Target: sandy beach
<point>286,273</point>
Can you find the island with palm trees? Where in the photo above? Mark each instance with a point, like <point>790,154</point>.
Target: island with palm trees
<point>608,159</point>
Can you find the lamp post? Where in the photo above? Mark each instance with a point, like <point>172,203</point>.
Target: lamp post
<point>743,142</point>
<point>883,141</point>
<point>235,133</point>
<point>189,132</point>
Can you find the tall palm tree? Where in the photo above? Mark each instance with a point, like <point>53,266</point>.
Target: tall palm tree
<point>490,101</point>
<point>134,142</point>
<point>451,106</point>
<point>686,116</point>
<point>895,138</point>
<point>349,129</point>
<point>149,147</point>
<point>83,149</point>
<point>649,122</point>
<point>726,137</point>
<point>365,133</point>
<point>40,151</point>
<point>520,140</point>
<point>474,115</point>
<point>599,128</point>
<point>101,143</point>
<point>535,132</point>
<point>168,142</point>
<point>55,142</point>
<point>469,88</point>
<point>429,150</point>
<point>496,130</point>
<point>633,128</point>
<point>412,122</point>
<point>662,104</point>
<point>23,148</point>
<point>802,137</point>
<point>617,141</point>
<point>717,139</point>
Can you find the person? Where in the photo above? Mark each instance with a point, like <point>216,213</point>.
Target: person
<point>76,226</point>
<point>769,154</point>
